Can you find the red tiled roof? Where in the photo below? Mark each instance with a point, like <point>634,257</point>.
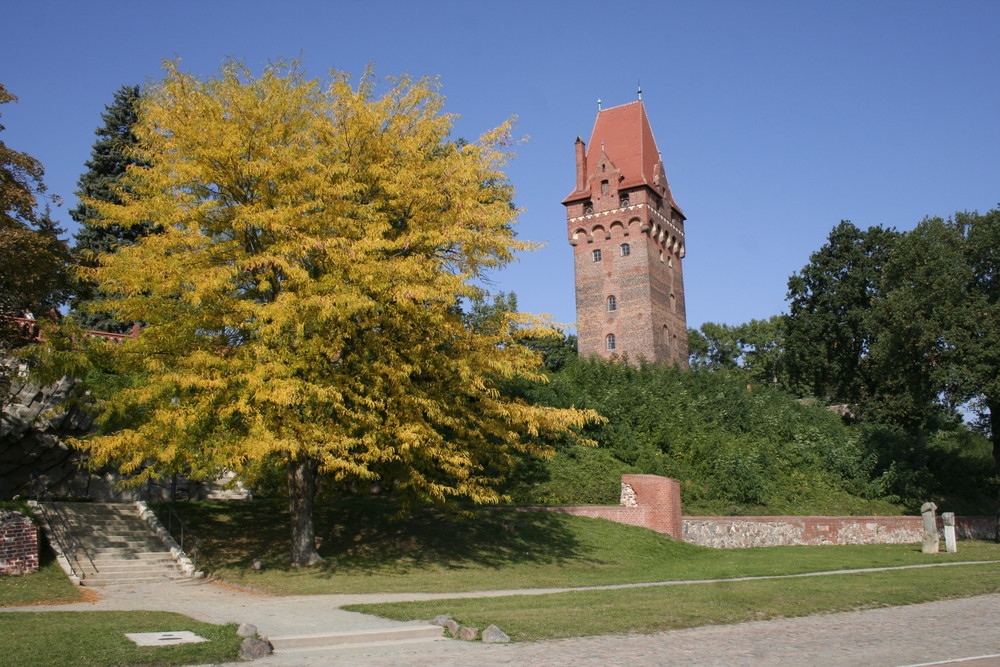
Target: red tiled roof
<point>627,138</point>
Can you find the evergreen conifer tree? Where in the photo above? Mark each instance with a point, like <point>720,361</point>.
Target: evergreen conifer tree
<point>110,157</point>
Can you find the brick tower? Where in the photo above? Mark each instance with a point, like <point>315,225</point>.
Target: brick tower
<point>627,234</point>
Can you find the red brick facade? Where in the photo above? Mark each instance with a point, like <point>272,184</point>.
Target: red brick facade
<point>18,544</point>
<point>627,234</point>
<point>656,504</point>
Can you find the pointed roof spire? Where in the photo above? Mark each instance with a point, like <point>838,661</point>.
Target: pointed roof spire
<point>598,103</point>
<point>624,135</point>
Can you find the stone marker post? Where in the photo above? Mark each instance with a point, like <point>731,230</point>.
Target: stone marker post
<point>930,528</point>
<point>948,519</point>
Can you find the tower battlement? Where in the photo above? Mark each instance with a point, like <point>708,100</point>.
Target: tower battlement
<point>627,234</point>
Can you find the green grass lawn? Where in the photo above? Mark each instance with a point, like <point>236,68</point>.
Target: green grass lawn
<point>366,551</point>
<point>81,639</point>
<point>581,613</point>
<point>49,585</point>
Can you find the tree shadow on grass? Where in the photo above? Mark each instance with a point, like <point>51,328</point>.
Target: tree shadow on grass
<point>367,536</point>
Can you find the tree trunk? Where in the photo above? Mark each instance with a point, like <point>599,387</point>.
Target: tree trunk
<point>301,492</point>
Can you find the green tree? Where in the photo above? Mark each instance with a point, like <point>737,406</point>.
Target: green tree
<point>828,333</point>
<point>33,260</point>
<point>713,346</point>
<point>756,347</point>
<point>111,156</point>
<point>300,302</point>
<point>939,320</point>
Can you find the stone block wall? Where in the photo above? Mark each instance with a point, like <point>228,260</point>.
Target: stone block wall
<point>654,502</point>
<point>18,543</point>
<point>729,532</point>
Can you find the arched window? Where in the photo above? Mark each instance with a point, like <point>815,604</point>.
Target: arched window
<point>610,340</point>
<point>597,255</point>
<point>623,200</point>
<point>588,207</point>
<point>612,303</point>
<point>626,250</point>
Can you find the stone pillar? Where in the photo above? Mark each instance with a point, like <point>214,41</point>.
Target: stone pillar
<point>948,519</point>
<point>931,545</point>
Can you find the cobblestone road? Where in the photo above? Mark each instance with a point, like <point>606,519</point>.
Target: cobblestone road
<point>917,634</point>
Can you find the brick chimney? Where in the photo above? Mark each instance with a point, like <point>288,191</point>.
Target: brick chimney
<point>581,165</point>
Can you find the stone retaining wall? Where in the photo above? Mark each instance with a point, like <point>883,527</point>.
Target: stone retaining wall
<point>728,532</point>
<point>18,543</point>
<point>654,502</point>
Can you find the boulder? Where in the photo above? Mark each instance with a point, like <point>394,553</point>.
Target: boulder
<point>468,633</point>
<point>494,635</point>
<point>251,649</point>
<point>247,630</point>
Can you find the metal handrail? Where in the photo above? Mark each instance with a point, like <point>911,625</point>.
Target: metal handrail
<point>74,541</point>
<point>173,517</point>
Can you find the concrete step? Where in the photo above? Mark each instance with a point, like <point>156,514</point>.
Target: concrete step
<point>123,545</point>
<point>153,573</point>
<point>116,553</point>
<point>306,642</point>
<point>133,565</point>
<point>118,579</point>
<point>117,542</point>
<point>124,555</point>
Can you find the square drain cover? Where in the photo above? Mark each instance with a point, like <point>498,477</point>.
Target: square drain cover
<point>164,638</point>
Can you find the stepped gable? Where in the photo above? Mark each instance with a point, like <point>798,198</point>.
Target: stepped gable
<point>623,134</point>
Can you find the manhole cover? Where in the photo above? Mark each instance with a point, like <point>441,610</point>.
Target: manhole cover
<point>164,638</point>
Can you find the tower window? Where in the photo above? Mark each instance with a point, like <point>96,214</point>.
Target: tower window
<point>626,250</point>
<point>612,303</point>
<point>597,255</point>
<point>623,200</point>
<point>610,341</point>
<point>588,207</point>
<point>604,187</point>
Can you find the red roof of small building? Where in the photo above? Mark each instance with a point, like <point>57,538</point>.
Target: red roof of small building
<point>627,139</point>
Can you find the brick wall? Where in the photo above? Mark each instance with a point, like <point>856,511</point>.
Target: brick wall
<point>649,501</point>
<point>18,543</point>
<point>728,532</point>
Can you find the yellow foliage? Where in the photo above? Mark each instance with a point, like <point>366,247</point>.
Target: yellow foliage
<point>299,302</point>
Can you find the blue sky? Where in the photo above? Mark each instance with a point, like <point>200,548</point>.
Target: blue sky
<point>776,119</point>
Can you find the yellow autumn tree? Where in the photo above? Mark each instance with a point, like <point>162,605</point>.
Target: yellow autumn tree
<point>300,304</point>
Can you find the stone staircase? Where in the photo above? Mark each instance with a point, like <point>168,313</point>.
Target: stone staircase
<point>113,543</point>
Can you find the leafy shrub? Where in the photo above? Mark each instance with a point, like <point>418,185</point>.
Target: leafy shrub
<point>739,449</point>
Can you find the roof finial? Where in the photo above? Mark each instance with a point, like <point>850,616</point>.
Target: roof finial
<point>639,84</point>
<point>598,103</point>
